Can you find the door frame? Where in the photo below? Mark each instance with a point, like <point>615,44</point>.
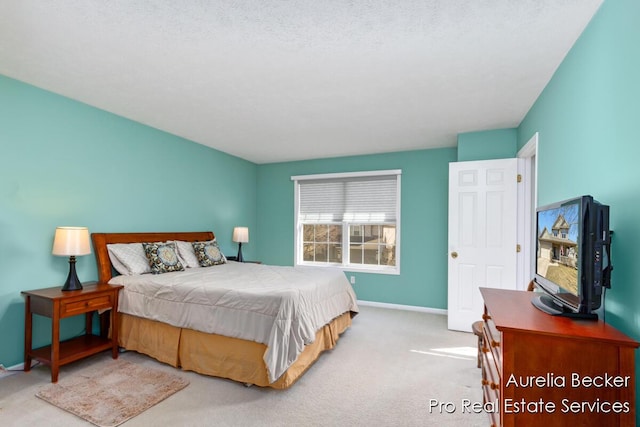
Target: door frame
<point>527,203</point>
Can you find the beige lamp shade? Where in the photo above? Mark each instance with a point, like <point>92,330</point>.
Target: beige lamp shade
<point>71,241</point>
<point>241,234</point>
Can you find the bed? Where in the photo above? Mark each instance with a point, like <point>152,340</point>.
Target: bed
<point>248,322</point>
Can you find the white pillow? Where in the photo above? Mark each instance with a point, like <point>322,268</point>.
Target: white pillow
<point>186,254</point>
<point>128,258</point>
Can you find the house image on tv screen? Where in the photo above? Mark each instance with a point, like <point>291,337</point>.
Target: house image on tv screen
<point>556,247</point>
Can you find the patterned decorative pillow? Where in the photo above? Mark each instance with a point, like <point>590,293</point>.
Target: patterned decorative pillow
<point>208,253</point>
<point>163,257</point>
<point>128,258</point>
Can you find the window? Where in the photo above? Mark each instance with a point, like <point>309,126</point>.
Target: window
<point>351,220</point>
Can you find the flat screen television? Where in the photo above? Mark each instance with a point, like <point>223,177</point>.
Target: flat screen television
<point>573,257</point>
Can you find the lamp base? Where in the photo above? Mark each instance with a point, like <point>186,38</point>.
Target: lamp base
<point>239,257</point>
<point>72,283</point>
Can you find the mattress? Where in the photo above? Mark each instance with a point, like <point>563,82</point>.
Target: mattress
<point>280,307</point>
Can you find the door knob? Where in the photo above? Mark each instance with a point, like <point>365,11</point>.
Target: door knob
<point>454,255</point>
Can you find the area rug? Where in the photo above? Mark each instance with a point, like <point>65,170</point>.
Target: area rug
<point>113,393</point>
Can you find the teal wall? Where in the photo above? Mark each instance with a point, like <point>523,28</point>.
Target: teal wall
<point>487,145</point>
<point>423,265</point>
<point>588,123</point>
<point>65,163</point>
<point>117,175</point>
<point>588,119</point>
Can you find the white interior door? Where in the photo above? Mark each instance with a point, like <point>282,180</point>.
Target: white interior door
<point>482,235</point>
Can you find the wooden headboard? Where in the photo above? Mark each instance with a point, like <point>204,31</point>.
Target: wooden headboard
<point>101,240</point>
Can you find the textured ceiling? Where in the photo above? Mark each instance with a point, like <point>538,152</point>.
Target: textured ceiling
<point>274,81</point>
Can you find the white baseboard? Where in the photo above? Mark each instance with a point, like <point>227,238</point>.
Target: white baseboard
<point>403,307</point>
<point>10,370</point>
<point>5,372</point>
<point>20,366</point>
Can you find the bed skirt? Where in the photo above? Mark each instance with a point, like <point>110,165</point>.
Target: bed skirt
<point>220,356</point>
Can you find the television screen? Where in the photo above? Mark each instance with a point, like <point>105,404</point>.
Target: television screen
<point>558,246</point>
<point>573,262</point>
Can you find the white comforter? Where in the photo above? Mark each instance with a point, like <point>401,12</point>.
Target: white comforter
<point>281,307</point>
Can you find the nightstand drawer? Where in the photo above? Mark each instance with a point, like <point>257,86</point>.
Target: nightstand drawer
<point>71,308</point>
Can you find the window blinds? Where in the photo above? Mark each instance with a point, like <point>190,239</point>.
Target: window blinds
<point>370,199</point>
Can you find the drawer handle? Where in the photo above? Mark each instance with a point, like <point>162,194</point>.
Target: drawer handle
<point>485,382</point>
<point>495,343</point>
<point>486,317</point>
<point>494,386</point>
<point>485,350</point>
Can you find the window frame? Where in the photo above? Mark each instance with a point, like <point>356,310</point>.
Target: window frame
<point>346,224</point>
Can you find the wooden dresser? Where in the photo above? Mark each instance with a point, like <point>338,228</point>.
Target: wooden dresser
<point>547,370</point>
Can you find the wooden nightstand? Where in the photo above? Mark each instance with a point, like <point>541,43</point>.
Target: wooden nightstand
<point>56,305</point>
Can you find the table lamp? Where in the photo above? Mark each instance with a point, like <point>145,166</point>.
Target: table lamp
<point>71,242</point>
<point>240,235</point>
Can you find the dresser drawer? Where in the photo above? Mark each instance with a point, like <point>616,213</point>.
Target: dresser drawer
<point>84,305</point>
<point>491,375</point>
<point>492,367</point>
<point>491,395</point>
<point>493,340</point>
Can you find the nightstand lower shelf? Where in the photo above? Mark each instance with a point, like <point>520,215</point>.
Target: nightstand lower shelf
<point>73,349</point>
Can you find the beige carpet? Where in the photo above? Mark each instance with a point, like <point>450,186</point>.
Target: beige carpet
<point>384,372</point>
<point>112,394</point>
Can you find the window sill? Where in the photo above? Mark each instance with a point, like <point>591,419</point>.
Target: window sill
<point>356,269</point>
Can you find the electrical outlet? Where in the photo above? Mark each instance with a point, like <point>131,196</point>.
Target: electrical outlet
<point>353,280</point>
